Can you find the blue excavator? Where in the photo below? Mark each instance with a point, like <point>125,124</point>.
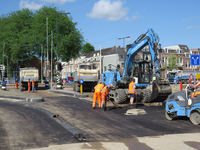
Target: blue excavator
<point>148,74</point>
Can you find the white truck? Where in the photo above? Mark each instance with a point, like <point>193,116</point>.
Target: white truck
<point>26,74</point>
<point>89,74</point>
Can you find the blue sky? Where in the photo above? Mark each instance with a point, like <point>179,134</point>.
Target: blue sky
<point>103,21</point>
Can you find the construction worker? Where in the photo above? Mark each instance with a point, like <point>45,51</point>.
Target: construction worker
<point>29,85</point>
<point>104,96</point>
<point>33,86</point>
<point>132,92</point>
<point>97,94</point>
<point>197,92</point>
<point>16,84</point>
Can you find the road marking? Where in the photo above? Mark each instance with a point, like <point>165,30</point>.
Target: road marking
<point>88,144</point>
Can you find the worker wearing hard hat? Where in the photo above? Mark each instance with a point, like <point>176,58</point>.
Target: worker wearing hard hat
<point>132,92</point>
<point>104,95</point>
<point>97,94</point>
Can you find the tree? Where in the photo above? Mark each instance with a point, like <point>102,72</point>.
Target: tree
<point>87,47</point>
<point>171,63</point>
<point>24,31</point>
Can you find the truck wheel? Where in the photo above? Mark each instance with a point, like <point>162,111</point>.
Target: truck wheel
<point>168,116</point>
<point>146,96</point>
<point>195,117</point>
<point>120,96</point>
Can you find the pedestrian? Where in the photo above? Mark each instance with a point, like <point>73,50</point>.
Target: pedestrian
<point>29,85</point>
<point>104,96</point>
<point>133,93</point>
<point>33,86</point>
<point>97,94</point>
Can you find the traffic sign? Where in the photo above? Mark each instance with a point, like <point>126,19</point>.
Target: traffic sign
<point>81,81</point>
<point>191,77</point>
<point>194,59</point>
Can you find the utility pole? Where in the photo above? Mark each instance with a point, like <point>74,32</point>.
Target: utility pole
<point>56,32</point>
<point>41,63</point>
<point>100,60</point>
<point>47,64</point>
<point>3,62</point>
<point>51,57</point>
<point>7,69</point>
<point>116,52</point>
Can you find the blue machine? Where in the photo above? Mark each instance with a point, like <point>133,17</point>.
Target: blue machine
<point>180,104</point>
<point>144,71</point>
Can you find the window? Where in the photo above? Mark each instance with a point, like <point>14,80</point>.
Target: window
<point>186,65</point>
<point>122,56</point>
<point>187,55</point>
<point>177,50</point>
<point>163,59</point>
<point>181,60</point>
<point>165,50</point>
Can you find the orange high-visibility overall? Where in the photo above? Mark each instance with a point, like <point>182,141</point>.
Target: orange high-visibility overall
<point>16,85</point>
<point>196,93</point>
<point>97,94</point>
<point>29,86</point>
<point>132,88</point>
<point>104,93</point>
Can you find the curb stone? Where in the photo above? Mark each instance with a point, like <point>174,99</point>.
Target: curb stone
<point>70,94</point>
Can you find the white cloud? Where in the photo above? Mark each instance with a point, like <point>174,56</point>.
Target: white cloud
<point>107,9</point>
<point>61,2</point>
<point>127,19</point>
<point>136,16</point>
<point>193,27</point>
<point>29,5</point>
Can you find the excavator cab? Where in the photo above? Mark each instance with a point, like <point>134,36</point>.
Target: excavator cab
<point>141,71</point>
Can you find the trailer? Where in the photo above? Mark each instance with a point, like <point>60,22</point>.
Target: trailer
<point>26,74</point>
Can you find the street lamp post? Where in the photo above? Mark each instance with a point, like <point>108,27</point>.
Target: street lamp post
<point>7,68</point>
<point>56,32</point>
<point>123,39</point>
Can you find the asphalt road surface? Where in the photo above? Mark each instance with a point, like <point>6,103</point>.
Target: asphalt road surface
<point>22,128</point>
<point>113,125</point>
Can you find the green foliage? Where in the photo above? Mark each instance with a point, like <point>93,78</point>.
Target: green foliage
<point>28,28</point>
<point>172,62</point>
<point>87,47</point>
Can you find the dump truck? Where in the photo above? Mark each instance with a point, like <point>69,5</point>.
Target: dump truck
<point>26,74</point>
<point>89,73</point>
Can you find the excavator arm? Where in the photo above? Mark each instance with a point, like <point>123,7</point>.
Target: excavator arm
<point>149,38</point>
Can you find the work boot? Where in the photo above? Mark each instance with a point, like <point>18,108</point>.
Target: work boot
<point>93,107</point>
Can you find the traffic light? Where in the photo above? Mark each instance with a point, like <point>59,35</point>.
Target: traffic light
<point>60,67</point>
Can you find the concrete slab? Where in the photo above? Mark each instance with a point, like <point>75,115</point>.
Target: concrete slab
<point>135,112</point>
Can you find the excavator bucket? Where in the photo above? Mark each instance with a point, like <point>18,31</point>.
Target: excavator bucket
<point>160,91</point>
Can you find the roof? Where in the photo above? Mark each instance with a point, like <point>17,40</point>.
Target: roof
<point>196,49</point>
<point>184,47</point>
<point>107,51</point>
